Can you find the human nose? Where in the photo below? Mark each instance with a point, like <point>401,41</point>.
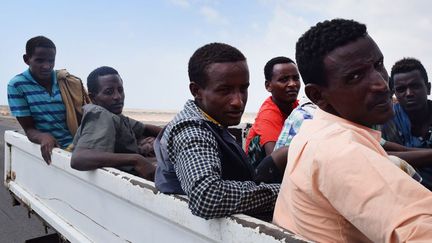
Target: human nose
<point>46,65</point>
<point>380,82</point>
<point>117,95</point>
<point>292,82</point>
<point>238,100</point>
<point>408,92</point>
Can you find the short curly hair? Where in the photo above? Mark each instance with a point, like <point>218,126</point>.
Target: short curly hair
<point>92,79</point>
<point>406,65</point>
<point>209,54</point>
<point>38,41</point>
<point>268,68</point>
<point>321,39</point>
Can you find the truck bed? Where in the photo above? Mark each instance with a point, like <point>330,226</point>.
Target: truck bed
<point>108,205</point>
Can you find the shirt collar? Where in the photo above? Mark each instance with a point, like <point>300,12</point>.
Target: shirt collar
<point>209,117</point>
<point>330,117</point>
<point>192,105</point>
<point>28,76</point>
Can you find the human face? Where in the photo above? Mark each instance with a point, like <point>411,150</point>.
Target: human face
<point>110,93</point>
<point>225,93</point>
<point>285,83</point>
<point>41,63</point>
<point>357,83</point>
<point>411,90</point>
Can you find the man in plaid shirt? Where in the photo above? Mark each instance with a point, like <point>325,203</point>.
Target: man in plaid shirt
<point>197,156</point>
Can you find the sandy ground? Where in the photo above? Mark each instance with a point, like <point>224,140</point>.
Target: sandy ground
<point>15,225</point>
<point>148,116</point>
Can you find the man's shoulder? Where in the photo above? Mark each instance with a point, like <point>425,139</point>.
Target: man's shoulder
<point>17,79</point>
<point>269,104</point>
<point>92,110</point>
<point>269,110</point>
<point>181,122</point>
<point>334,136</point>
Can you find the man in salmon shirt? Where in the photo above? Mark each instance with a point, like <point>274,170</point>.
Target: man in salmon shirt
<point>338,185</point>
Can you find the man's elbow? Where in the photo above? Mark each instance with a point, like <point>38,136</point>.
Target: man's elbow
<point>77,163</point>
<point>206,210</point>
<point>205,214</point>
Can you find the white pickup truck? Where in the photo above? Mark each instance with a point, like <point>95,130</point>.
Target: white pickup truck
<point>108,205</point>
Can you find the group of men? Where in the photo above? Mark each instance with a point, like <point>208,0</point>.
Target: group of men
<point>339,182</point>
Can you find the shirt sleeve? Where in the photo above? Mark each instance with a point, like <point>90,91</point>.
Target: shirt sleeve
<point>98,131</point>
<point>198,168</point>
<point>291,127</point>
<point>388,206</point>
<point>268,126</point>
<point>17,103</point>
<point>137,127</point>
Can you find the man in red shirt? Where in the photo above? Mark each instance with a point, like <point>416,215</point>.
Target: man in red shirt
<point>283,82</point>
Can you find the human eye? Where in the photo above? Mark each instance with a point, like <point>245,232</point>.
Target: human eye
<point>223,90</point>
<point>244,88</point>
<point>379,64</point>
<point>353,77</point>
<point>415,86</point>
<point>109,91</point>
<point>283,79</point>
<point>400,89</point>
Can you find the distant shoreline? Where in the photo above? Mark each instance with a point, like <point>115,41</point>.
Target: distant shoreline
<point>155,117</point>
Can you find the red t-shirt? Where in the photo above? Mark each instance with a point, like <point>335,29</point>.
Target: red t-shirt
<point>268,123</point>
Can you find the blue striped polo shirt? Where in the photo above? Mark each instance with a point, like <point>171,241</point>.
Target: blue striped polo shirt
<point>27,97</point>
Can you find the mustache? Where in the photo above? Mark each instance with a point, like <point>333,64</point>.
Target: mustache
<point>384,98</point>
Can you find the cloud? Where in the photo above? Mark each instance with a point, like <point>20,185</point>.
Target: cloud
<point>213,16</point>
<point>181,3</point>
<point>399,28</point>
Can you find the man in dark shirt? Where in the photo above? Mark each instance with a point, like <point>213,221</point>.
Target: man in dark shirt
<point>197,156</point>
<point>412,124</point>
<point>106,138</point>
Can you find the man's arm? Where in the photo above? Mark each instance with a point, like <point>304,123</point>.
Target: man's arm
<point>269,147</point>
<point>280,157</point>
<point>272,167</point>
<point>417,157</point>
<point>46,140</point>
<point>94,145</point>
<point>195,154</point>
<point>143,130</point>
<point>90,159</point>
<point>151,130</point>
<point>374,195</point>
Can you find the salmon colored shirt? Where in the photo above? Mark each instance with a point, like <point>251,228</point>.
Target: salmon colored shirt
<point>339,186</point>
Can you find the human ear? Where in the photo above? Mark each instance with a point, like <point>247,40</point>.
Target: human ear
<point>428,86</point>
<point>26,59</point>
<point>195,90</point>
<point>316,94</point>
<point>92,97</point>
<point>268,86</point>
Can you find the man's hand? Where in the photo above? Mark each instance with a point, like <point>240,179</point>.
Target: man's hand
<point>46,140</point>
<point>145,168</point>
<point>145,146</point>
<point>47,143</point>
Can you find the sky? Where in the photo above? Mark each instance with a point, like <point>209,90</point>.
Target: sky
<point>150,42</point>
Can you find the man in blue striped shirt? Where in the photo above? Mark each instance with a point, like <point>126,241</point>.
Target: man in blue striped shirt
<point>35,100</point>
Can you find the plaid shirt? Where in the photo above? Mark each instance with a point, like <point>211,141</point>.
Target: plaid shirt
<point>194,151</point>
<point>292,124</point>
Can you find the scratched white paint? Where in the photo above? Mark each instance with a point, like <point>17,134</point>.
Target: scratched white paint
<point>107,205</point>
